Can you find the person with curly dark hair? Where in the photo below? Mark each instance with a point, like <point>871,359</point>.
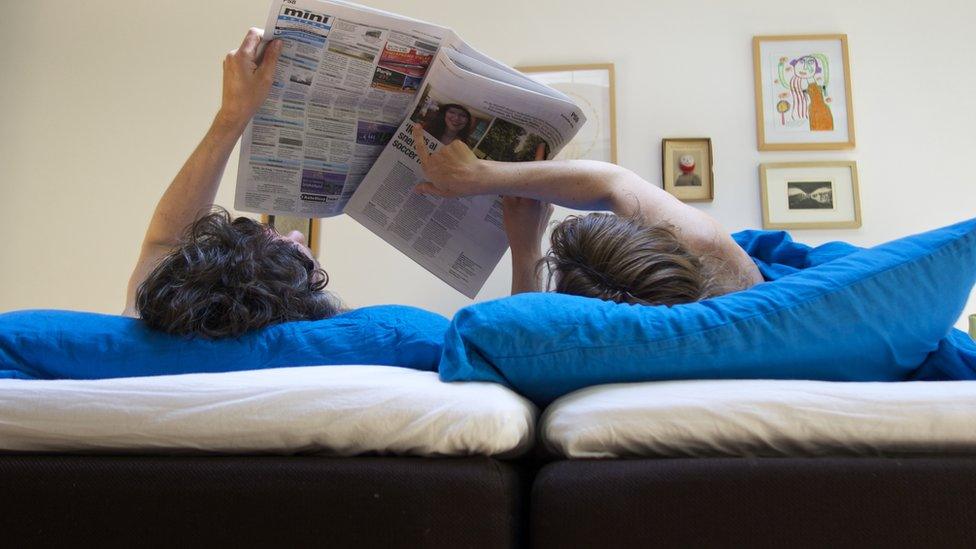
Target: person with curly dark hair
<point>652,250</point>
<point>202,273</point>
<point>229,276</point>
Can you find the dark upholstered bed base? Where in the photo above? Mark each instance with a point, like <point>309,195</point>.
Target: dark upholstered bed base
<point>258,501</point>
<point>830,502</point>
<point>142,501</point>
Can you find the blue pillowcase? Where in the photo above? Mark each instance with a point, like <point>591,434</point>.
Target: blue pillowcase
<point>74,345</point>
<point>955,358</point>
<point>834,312</point>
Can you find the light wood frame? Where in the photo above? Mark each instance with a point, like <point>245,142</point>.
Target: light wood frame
<point>711,164</point>
<point>763,168</point>
<point>311,233</point>
<point>760,112</point>
<point>613,92</point>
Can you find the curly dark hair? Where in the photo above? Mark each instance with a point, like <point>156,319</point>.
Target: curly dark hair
<point>230,276</point>
<point>621,259</point>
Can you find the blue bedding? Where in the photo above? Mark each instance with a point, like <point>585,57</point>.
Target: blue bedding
<point>44,344</point>
<point>776,255</point>
<point>834,312</point>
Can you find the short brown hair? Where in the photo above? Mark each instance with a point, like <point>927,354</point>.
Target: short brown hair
<point>622,259</point>
<point>228,277</point>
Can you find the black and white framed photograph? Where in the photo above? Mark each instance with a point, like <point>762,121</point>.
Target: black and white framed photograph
<point>810,195</point>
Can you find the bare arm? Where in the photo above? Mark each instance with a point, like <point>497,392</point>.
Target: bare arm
<point>247,80</point>
<point>525,225</point>
<point>577,184</point>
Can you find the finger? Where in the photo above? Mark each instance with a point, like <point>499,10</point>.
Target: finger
<point>434,191</point>
<point>249,47</point>
<point>419,145</point>
<point>540,151</point>
<point>271,54</point>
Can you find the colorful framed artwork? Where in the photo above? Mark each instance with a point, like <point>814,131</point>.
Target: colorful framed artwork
<point>686,166</point>
<point>309,227</point>
<point>803,92</point>
<point>810,195</point>
<point>591,87</point>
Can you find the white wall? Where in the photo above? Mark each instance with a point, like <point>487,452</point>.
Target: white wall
<point>100,106</point>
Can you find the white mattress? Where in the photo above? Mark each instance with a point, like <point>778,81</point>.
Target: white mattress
<point>762,418</point>
<point>334,410</point>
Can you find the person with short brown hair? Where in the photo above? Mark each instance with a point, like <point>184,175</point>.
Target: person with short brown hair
<point>652,250</point>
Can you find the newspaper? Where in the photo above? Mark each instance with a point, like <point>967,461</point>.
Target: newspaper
<point>335,134</point>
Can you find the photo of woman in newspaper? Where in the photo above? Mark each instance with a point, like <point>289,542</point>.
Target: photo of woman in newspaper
<point>489,137</point>
<point>446,119</point>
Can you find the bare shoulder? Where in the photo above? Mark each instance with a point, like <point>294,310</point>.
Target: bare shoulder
<point>708,239</point>
<point>701,233</point>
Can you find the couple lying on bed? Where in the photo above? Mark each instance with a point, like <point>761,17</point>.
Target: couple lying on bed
<point>201,272</point>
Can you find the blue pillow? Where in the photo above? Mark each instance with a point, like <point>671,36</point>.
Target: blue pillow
<point>836,313</point>
<point>75,345</point>
<point>955,358</point>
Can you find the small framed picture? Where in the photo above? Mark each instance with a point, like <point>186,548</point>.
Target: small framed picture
<point>309,227</point>
<point>810,195</point>
<point>687,168</point>
<point>803,92</point>
<point>591,87</point>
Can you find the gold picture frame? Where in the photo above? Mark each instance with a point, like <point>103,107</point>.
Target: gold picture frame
<point>592,87</point>
<point>814,109</point>
<point>696,184</point>
<point>810,195</point>
<point>308,226</point>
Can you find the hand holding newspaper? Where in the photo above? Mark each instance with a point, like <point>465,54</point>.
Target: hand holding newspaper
<point>353,90</point>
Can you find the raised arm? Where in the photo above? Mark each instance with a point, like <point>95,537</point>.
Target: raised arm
<point>579,184</point>
<point>247,80</point>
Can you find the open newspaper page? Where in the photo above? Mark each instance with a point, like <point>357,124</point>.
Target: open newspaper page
<point>346,78</point>
<point>501,115</point>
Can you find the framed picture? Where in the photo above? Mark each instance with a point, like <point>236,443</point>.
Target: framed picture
<point>803,92</point>
<point>686,165</point>
<point>810,195</point>
<point>591,87</point>
<point>307,226</point>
